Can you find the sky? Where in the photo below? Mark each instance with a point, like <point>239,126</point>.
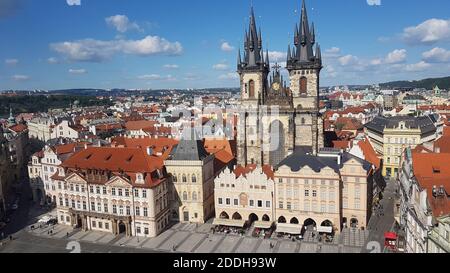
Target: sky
<point>134,44</point>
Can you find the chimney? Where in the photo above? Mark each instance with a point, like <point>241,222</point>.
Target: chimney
<point>435,193</point>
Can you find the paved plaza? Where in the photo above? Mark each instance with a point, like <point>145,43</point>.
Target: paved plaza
<point>194,238</point>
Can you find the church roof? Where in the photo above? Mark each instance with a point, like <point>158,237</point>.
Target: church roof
<point>190,147</point>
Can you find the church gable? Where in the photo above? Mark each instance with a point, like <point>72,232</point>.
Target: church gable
<point>118,182</point>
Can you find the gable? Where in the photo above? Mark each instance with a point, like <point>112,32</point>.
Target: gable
<point>75,178</point>
<point>118,182</point>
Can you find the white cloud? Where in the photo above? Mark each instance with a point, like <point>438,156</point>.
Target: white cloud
<point>171,66</point>
<point>428,32</point>
<point>277,56</point>
<point>330,71</point>
<point>11,61</point>
<point>348,60</point>
<point>73,2</point>
<point>374,2</point>
<point>77,71</point>
<point>376,62</point>
<point>226,47</point>
<point>229,76</point>
<point>156,77</point>
<point>421,66</point>
<point>20,78</point>
<point>396,56</point>
<point>333,52</point>
<point>90,50</point>
<point>191,77</point>
<point>220,66</point>
<point>437,55</point>
<point>122,24</point>
<point>52,60</point>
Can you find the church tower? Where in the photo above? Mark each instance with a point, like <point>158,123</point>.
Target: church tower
<point>253,69</point>
<point>304,66</point>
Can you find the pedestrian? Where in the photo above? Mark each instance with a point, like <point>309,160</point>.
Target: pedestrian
<point>67,234</point>
<point>10,237</point>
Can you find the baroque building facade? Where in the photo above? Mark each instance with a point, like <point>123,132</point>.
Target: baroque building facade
<point>277,120</point>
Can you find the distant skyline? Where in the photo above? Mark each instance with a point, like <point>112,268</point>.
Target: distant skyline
<point>136,44</point>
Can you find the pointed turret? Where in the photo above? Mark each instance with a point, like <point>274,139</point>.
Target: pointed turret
<point>260,39</point>
<point>289,53</point>
<point>267,58</point>
<point>239,60</point>
<point>304,39</point>
<point>318,55</point>
<point>253,58</point>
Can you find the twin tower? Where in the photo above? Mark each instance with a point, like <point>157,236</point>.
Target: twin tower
<point>291,122</point>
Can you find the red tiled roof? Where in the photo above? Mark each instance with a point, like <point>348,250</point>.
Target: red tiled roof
<point>139,124</point>
<point>342,144</point>
<point>369,153</point>
<point>433,169</point>
<point>421,149</point>
<point>134,160</point>
<point>158,145</point>
<point>243,171</point>
<point>107,127</point>
<point>69,148</point>
<point>18,128</point>
<point>349,123</point>
<point>443,144</point>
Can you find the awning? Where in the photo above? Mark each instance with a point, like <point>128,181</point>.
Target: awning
<point>289,228</point>
<point>263,224</point>
<point>229,222</point>
<point>323,229</point>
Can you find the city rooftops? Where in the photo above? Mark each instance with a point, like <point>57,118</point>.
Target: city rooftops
<point>424,123</point>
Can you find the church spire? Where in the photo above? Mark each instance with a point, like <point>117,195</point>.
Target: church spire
<point>253,52</point>
<point>304,40</point>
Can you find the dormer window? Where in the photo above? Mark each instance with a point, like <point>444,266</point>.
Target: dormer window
<point>139,177</point>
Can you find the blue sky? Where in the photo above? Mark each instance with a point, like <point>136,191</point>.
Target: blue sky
<point>193,44</point>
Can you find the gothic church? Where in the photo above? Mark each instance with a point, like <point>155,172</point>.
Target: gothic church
<point>277,120</point>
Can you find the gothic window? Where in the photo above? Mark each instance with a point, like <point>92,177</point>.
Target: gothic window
<point>185,196</point>
<point>184,178</point>
<point>303,85</point>
<point>251,85</point>
<point>194,179</point>
<point>194,196</point>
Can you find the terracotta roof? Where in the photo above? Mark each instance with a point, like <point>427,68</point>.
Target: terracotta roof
<point>433,169</point>
<point>421,149</point>
<point>18,128</point>
<point>158,145</point>
<point>443,144</point>
<point>349,123</point>
<point>115,160</point>
<point>243,171</point>
<point>107,127</point>
<point>39,154</point>
<point>139,124</point>
<point>160,130</point>
<point>369,153</point>
<point>69,148</point>
<point>446,131</point>
<point>342,144</point>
